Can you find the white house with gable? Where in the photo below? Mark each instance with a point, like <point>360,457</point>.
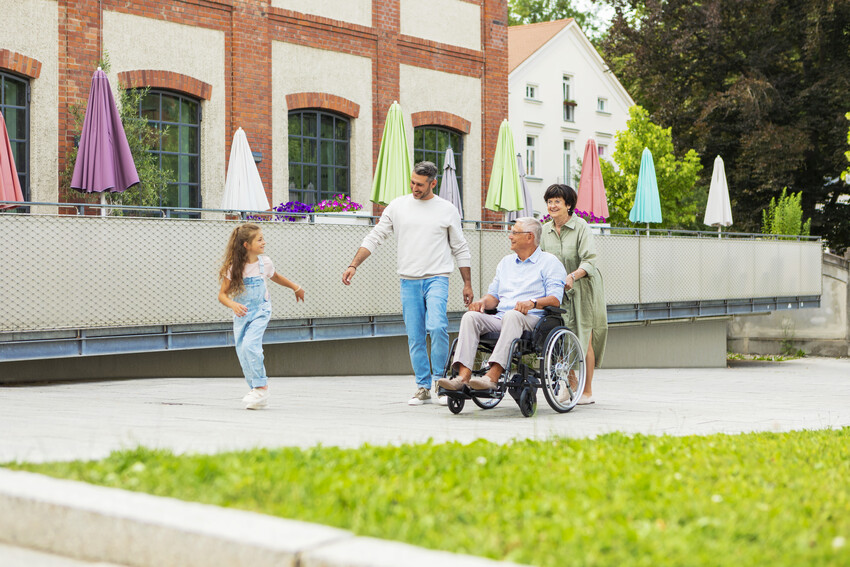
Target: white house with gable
<point>560,95</point>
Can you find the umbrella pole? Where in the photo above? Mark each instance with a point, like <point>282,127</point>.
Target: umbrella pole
<point>718,232</point>
<point>103,202</point>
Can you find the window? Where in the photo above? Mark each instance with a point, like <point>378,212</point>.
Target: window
<point>318,156</point>
<point>568,160</point>
<point>602,104</point>
<point>14,104</point>
<point>531,156</point>
<point>602,150</point>
<point>430,143</point>
<point>531,91</point>
<point>178,118</point>
<point>569,100</point>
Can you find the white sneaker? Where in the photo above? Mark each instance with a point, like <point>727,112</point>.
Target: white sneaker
<point>247,396</point>
<point>443,400</point>
<point>257,398</point>
<point>422,396</point>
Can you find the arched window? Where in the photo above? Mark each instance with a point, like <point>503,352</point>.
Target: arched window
<point>179,149</point>
<point>15,106</point>
<point>430,143</point>
<point>318,156</point>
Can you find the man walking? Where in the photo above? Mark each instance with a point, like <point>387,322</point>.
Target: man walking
<point>428,233</point>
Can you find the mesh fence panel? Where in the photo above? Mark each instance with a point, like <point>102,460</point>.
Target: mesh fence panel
<point>78,272</point>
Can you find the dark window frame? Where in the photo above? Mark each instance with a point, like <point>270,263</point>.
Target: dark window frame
<point>332,155</point>
<point>176,128</point>
<point>437,155</point>
<point>22,165</point>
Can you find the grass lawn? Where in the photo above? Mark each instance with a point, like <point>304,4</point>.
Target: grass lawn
<point>754,499</point>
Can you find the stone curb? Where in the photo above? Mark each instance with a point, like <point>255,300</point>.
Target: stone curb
<point>93,523</point>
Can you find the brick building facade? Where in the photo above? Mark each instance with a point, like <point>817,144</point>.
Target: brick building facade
<point>251,64</point>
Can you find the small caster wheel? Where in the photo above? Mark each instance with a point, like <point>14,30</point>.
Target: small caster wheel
<point>527,402</point>
<point>455,405</point>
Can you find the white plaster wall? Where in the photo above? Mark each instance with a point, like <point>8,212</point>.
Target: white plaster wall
<point>566,54</point>
<point>297,69</point>
<point>423,90</point>
<point>136,43</point>
<point>354,11</point>
<point>446,21</point>
<point>31,28</point>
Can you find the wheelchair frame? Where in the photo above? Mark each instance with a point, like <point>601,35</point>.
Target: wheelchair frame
<point>559,353</point>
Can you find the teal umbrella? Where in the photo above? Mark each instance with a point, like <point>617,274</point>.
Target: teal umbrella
<point>505,191</point>
<point>647,207</point>
<point>392,174</point>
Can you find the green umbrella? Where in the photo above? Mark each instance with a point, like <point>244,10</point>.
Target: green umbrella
<point>505,191</point>
<point>392,174</point>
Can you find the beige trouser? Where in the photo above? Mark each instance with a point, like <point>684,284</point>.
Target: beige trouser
<point>475,324</point>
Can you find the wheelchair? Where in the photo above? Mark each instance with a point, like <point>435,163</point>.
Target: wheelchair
<point>549,357</point>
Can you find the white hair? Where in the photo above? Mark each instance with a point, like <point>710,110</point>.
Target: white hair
<point>531,225</point>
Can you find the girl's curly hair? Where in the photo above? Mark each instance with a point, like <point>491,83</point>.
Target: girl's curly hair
<point>235,256</point>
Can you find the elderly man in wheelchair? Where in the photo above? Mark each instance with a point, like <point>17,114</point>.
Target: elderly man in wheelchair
<point>519,316</point>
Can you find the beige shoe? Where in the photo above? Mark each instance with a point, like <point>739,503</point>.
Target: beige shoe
<point>585,400</point>
<point>482,383</point>
<point>422,396</point>
<point>453,384</point>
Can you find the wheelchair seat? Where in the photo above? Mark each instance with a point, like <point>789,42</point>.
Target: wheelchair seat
<point>493,337</point>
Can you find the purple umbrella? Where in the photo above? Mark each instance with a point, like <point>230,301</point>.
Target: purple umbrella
<point>104,162</point>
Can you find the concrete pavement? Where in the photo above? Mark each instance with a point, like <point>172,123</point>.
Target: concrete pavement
<point>89,420</point>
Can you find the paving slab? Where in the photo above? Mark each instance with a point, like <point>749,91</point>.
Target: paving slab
<point>88,420</point>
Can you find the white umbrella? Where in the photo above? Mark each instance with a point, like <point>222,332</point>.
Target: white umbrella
<point>243,188</point>
<point>527,210</point>
<point>718,210</point>
<point>448,186</point>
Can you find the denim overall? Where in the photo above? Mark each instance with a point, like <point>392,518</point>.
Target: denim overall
<point>248,330</point>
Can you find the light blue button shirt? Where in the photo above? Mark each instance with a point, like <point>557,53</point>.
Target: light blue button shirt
<point>539,275</point>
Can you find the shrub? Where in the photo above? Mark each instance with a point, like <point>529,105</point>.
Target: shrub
<point>785,216</point>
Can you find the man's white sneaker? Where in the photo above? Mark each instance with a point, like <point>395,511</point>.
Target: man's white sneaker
<point>422,396</point>
<point>258,398</point>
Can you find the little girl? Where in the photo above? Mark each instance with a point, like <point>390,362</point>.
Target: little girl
<point>243,276</point>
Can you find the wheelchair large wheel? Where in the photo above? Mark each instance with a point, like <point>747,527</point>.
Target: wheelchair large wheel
<point>563,369</point>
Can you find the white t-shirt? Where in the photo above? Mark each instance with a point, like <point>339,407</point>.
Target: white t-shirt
<point>253,270</point>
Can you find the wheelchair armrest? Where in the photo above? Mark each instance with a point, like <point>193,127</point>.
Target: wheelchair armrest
<point>554,310</point>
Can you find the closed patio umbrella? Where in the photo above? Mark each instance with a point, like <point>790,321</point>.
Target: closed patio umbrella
<point>392,174</point>
<point>243,188</point>
<point>647,207</point>
<point>527,210</point>
<point>503,193</point>
<point>10,185</point>
<point>449,189</point>
<point>591,188</point>
<point>104,162</point>
<point>718,210</point>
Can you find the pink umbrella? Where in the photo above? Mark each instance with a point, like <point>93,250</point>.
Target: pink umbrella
<point>104,162</point>
<point>591,189</point>
<point>10,185</point>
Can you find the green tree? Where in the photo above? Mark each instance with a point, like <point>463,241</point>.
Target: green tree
<point>535,11</point>
<point>681,197</point>
<point>785,216</point>
<point>141,136</point>
<point>763,84</point>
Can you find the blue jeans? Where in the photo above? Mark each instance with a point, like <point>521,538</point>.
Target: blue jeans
<point>424,304</point>
<point>248,330</point>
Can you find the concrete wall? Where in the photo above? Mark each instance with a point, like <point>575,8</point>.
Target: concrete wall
<point>354,11</point>
<point>823,331</point>
<point>697,344</point>
<point>455,22</point>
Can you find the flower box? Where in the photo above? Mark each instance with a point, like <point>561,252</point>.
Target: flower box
<point>344,217</point>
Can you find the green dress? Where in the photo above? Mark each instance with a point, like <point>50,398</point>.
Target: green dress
<point>585,307</point>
